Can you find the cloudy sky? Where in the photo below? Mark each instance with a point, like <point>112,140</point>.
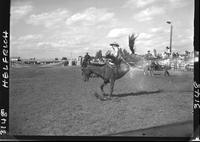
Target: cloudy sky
<point>57,28</point>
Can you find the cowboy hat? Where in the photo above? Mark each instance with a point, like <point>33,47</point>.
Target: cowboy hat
<point>114,44</point>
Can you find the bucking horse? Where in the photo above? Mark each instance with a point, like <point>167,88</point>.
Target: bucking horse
<point>108,72</point>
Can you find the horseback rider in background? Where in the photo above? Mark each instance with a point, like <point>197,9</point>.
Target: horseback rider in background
<point>86,60</point>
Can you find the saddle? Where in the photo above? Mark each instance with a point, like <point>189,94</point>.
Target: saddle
<point>97,64</point>
<point>112,65</point>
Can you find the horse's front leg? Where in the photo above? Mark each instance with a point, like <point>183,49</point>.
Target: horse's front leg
<point>102,86</point>
<point>112,82</point>
<point>166,73</point>
<point>145,72</point>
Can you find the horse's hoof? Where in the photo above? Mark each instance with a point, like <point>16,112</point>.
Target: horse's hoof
<point>109,98</point>
<point>103,99</point>
<point>96,95</point>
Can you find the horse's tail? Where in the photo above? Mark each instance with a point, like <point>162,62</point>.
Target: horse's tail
<point>132,39</point>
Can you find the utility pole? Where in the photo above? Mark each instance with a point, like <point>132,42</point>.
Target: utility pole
<point>171,30</point>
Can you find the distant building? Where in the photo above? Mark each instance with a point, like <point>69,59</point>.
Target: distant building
<point>30,61</point>
<point>15,59</point>
<point>79,61</point>
<point>154,53</point>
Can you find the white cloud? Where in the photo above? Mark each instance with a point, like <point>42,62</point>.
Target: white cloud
<point>49,19</point>
<point>17,12</point>
<point>85,31</point>
<point>178,3</point>
<point>142,3</point>
<point>150,41</point>
<point>149,13</point>
<point>48,45</point>
<point>138,3</point>
<point>25,41</point>
<point>145,36</point>
<point>91,16</point>
<point>154,30</point>
<point>159,31</point>
<point>119,32</point>
<point>30,37</point>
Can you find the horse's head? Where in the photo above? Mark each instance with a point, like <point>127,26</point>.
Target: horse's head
<point>85,74</point>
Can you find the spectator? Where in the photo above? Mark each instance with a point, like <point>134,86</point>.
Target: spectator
<point>86,60</point>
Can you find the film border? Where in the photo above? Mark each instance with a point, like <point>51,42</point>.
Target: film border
<point>4,91</point>
<point>4,63</point>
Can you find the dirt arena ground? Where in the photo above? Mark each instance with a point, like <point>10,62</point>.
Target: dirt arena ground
<point>55,101</point>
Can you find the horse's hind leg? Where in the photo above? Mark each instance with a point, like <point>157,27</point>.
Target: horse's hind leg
<point>166,73</point>
<point>102,86</point>
<point>112,82</point>
<point>103,98</point>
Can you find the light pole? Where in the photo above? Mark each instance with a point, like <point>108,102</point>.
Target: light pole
<point>171,28</point>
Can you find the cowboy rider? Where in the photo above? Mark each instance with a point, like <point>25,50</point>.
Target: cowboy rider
<point>114,53</point>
